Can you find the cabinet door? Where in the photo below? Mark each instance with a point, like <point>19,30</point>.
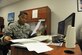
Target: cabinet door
<point>42,13</point>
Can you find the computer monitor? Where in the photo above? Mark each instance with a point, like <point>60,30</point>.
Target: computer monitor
<point>70,20</point>
<point>62,25</point>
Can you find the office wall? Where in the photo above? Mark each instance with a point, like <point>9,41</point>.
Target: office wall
<point>60,10</point>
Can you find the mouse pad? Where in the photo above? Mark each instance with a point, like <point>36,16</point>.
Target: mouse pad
<point>69,51</point>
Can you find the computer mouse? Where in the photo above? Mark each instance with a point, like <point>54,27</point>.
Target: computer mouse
<point>69,51</point>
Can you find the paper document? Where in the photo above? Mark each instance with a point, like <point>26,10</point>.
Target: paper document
<point>23,40</point>
<point>37,26</point>
<point>35,13</point>
<point>38,47</point>
<point>42,38</point>
<point>34,39</point>
<point>58,44</point>
<point>19,45</point>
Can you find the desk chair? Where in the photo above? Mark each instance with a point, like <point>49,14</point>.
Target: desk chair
<point>80,43</point>
<point>4,48</point>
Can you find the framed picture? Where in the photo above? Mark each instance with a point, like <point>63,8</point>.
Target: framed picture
<point>11,17</point>
<point>79,5</point>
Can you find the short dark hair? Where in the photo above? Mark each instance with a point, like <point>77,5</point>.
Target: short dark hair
<point>22,12</point>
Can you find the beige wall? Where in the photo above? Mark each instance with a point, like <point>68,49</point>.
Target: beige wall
<point>60,10</point>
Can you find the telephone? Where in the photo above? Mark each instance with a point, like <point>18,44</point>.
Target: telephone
<point>57,39</point>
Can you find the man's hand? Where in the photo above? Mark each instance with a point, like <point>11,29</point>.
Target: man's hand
<point>7,38</point>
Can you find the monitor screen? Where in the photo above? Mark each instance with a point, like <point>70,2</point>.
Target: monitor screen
<point>62,25</point>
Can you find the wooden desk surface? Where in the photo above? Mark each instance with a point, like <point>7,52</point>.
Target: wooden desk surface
<point>56,51</point>
<point>1,33</point>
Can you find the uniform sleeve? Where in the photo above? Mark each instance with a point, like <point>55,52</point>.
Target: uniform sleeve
<point>9,31</point>
<point>28,27</point>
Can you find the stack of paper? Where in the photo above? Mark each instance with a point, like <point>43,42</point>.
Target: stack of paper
<point>32,45</point>
<point>38,47</point>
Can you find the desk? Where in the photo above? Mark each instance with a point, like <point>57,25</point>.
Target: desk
<point>56,51</point>
<point>1,34</point>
